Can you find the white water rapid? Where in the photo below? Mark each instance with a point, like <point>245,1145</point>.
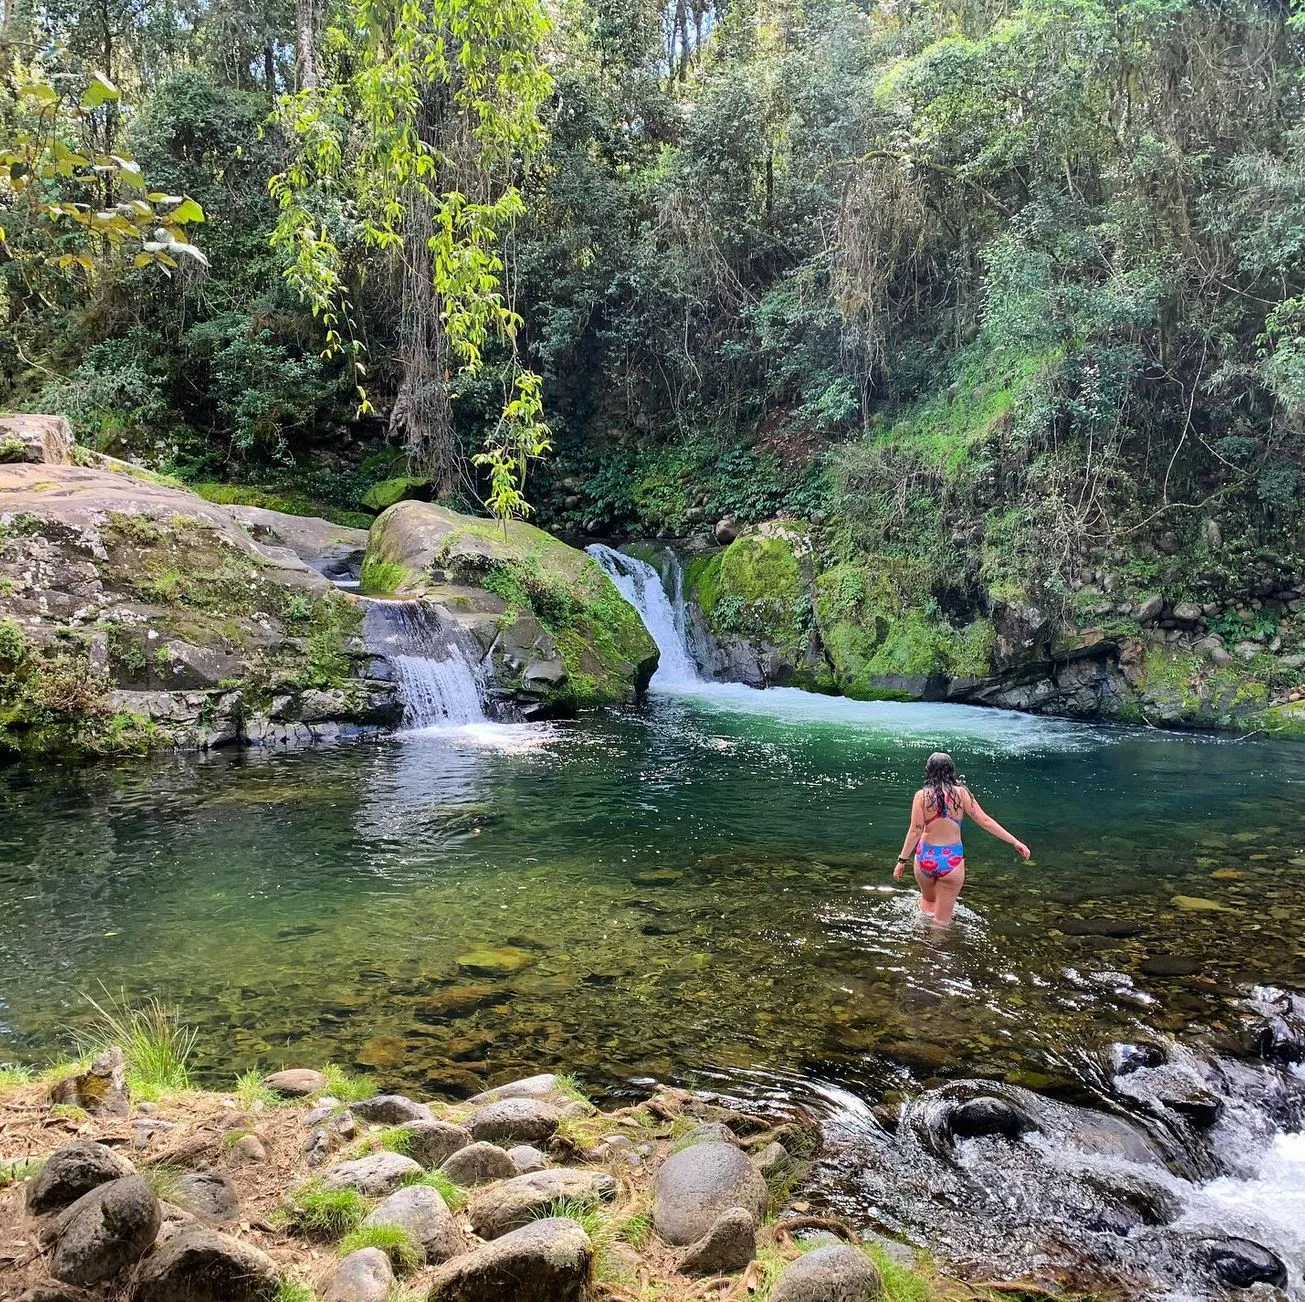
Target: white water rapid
<point>435,665</point>
<point>662,614</point>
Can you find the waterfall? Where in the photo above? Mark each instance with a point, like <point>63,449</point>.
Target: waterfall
<point>662,614</point>
<point>434,660</point>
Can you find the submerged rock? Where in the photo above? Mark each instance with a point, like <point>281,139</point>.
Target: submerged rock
<point>697,1184</point>
<point>71,1171</point>
<point>833,1274</point>
<point>1240,1263</point>
<point>104,1231</point>
<point>545,1261</point>
<point>544,1086</point>
<point>495,960</point>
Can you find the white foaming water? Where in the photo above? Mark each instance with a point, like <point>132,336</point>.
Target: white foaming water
<point>1275,1194</point>
<point>438,693</point>
<point>641,586</point>
<point>433,661</point>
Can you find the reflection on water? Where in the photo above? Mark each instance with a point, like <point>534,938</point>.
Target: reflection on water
<point>695,890</point>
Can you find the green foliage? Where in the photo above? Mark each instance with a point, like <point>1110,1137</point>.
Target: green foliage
<point>346,1087</point>
<point>250,1089</point>
<point>15,1075</point>
<point>404,1252</point>
<point>162,1178</point>
<point>156,1043</point>
<point>323,1213</point>
<point>379,578</point>
<point>14,1170</point>
<point>290,1289</point>
<point>13,642</point>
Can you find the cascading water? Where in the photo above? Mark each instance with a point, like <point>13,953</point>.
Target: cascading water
<point>433,660</point>
<point>662,614</point>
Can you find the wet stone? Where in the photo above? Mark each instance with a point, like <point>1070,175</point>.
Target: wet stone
<point>495,960</point>
<point>1170,965</point>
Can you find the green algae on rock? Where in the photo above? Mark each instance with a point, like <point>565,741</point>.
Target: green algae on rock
<point>550,621</point>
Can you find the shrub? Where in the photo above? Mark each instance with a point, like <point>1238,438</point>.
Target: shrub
<point>155,1043</point>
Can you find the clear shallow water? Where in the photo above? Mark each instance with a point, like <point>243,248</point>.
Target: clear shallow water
<point>696,891</point>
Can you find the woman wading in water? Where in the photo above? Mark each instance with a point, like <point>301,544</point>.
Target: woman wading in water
<point>935,836</point>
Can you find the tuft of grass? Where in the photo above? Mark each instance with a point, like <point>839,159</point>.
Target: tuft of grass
<point>437,1180</point>
<point>396,1139</point>
<point>569,1087</point>
<point>596,1224</point>
<point>901,1284</point>
<point>162,1178</point>
<point>15,1170</point>
<point>250,1090</point>
<point>403,1293</point>
<point>153,1039</point>
<point>636,1230</point>
<point>290,1289</point>
<point>233,1137</point>
<point>69,1112</point>
<point>14,1076</point>
<point>323,1213</point>
<point>404,1252</point>
<point>348,1089</point>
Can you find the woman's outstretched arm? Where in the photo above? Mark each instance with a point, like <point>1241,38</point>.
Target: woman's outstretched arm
<point>990,824</point>
<point>913,834</point>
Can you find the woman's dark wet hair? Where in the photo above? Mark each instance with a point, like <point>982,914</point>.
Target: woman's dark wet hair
<point>941,780</point>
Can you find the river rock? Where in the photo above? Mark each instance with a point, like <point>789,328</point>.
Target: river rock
<point>695,1185</point>
<point>1176,1090</point>
<point>104,1231</point>
<point>545,1261</point>
<point>527,1159</point>
<point>543,1086</point>
<point>201,1265</point>
<point>772,1159</point>
<point>971,1118</point>
<point>710,1132</point>
<point>1240,1263</point>
<point>391,1110</point>
<point>838,1273</point>
<point>433,1142</point>
<point>44,440</point>
<point>728,1246</point>
<point>209,1194</point>
<point>515,1120</point>
<point>248,1150</point>
<point>508,1206</point>
<point>1149,609</point>
<point>421,1211</point>
<point>101,1090</point>
<point>726,530</point>
<point>478,1164</point>
<point>71,1171</point>
<point>363,1276</point>
<point>375,1175</point>
<point>296,1082</point>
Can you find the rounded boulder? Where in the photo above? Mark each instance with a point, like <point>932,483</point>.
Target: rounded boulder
<point>425,1215</point>
<point>514,1203</point>
<point>838,1273</point>
<point>104,1231</point>
<point>201,1265</point>
<point>478,1164</point>
<point>697,1184</point>
<point>545,1261</point>
<point>363,1276</point>
<point>376,1175</point>
<point>514,1121</point>
<point>72,1171</point>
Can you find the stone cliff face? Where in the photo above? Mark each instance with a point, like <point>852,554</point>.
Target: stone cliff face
<point>133,614</point>
<point>765,611</point>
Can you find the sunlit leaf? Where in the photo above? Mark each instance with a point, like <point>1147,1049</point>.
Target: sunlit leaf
<point>100,91</point>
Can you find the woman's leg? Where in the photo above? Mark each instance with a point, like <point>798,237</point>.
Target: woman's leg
<point>928,891</point>
<point>948,887</point>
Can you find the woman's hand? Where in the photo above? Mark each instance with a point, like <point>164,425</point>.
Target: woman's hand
<point>1021,849</point>
<point>897,872</point>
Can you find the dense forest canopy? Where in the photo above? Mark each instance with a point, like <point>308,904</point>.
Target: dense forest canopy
<point>989,290</point>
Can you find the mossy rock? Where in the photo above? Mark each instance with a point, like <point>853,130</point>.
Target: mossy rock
<point>419,547</point>
<point>759,587</point>
<point>399,489</point>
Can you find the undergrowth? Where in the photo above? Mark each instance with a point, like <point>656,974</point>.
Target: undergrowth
<point>322,1213</point>
<point>156,1044</point>
<point>404,1252</point>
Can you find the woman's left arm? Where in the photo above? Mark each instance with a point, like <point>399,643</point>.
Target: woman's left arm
<point>913,835</point>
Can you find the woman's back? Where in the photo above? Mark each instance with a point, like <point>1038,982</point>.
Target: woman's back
<point>944,808</point>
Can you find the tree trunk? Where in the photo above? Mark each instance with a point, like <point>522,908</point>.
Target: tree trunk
<point>306,19</point>
<point>269,68</point>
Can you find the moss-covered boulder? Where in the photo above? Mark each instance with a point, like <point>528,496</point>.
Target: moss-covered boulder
<point>552,624</point>
<point>134,614</point>
<point>756,603</point>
